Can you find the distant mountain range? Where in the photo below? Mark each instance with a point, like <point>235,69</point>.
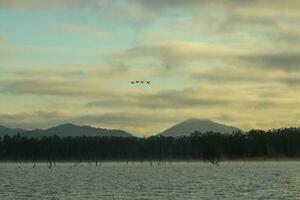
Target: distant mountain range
<point>65,130</point>
<point>189,126</point>
<point>184,128</point>
<point>10,131</point>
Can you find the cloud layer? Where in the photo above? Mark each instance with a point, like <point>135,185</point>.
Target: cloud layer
<point>236,62</point>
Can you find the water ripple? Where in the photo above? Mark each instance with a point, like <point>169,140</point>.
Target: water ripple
<point>193,180</point>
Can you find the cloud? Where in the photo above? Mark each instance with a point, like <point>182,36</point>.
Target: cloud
<point>231,60</point>
<point>81,29</point>
<point>283,61</point>
<point>254,75</point>
<point>189,4</point>
<point>90,75</point>
<point>150,113</point>
<point>61,72</point>
<point>121,119</point>
<point>174,54</point>
<point>145,11</point>
<point>84,88</point>
<point>122,73</point>
<point>33,119</point>
<point>40,4</point>
<point>165,99</point>
<point>117,10</point>
<point>157,4</point>
<point>59,87</point>
<point>256,12</point>
<point>41,87</point>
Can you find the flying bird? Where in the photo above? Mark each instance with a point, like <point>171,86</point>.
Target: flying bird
<point>133,82</point>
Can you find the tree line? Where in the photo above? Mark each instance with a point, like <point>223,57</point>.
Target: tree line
<point>211,146</point>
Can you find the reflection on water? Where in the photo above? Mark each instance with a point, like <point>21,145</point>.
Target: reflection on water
<point>231,180</point>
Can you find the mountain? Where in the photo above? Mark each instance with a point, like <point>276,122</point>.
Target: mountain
<point>10,131</point>
<point>189,126</point>
<point>66,130</point>
<point>72,130</point>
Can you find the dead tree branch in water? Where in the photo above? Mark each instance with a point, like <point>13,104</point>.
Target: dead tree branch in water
<point>76,164</point>
<point>49,163</point>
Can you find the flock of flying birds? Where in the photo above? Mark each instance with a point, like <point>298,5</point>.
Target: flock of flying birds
<point>137,82</point>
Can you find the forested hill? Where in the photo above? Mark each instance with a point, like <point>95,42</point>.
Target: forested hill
<point>10,131</point>
<point>211,146</point>
<point>65,130</point>
<point>185,128</point>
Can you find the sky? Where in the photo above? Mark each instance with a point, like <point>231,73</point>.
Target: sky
<point>71,61</point>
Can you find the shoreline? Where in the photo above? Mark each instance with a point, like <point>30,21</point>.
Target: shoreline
<point>155,161</point>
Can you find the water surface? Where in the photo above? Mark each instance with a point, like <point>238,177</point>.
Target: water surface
<point>178,180</point>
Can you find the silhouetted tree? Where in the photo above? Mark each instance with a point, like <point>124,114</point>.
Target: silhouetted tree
<point>211,147</point>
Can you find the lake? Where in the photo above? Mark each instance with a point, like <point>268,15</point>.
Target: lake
<point>178,180</point>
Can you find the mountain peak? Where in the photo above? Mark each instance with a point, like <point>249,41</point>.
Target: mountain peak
<point>69,129</point>
<point>185,128</point>
<point>191,120</point>
<point>66,125</point>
